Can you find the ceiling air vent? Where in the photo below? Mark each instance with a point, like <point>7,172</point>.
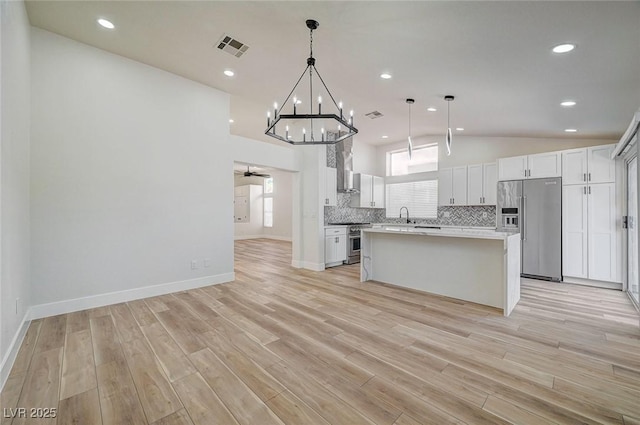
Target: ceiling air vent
<point>232,46</point>
<point>373,115</point>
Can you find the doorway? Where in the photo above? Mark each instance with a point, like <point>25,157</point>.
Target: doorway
<point>632,230</point>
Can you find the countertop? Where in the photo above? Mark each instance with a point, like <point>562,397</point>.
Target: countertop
<point>453,232</point>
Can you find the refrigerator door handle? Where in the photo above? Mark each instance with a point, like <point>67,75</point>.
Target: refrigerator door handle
<point>523,235</point>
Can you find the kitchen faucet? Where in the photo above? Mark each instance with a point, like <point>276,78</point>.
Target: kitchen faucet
<point>407,214</point>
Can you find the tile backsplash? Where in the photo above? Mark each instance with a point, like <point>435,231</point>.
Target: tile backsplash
<point>343,213</point>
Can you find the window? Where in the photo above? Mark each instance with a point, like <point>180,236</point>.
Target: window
<point>420,198</point>
<point>423,159</point>
<point>412,183</point>
<point>268,203</point>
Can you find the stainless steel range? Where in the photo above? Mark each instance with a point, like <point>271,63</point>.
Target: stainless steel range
<point>353,243</point>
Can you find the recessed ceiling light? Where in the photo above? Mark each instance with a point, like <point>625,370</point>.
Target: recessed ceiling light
<point>570,130</point>
<point>229,73</point>
<point>385,137</point>
<point>231,120</point>
<point>106,24</point>
<point>459,129</point>
<point>568,103</point>
<point>431,109</point>
<point>385,76</point>
<point>563,48</point>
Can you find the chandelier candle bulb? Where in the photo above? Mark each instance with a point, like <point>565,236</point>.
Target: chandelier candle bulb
<point>287,131</point>
<point>319,104</point>
<point>340,107</point>
<point>322,131</point>
<point>295,102</point>
<point>268,118</point>
<point>275,110</point>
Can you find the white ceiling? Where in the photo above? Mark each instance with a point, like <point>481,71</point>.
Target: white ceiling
<point>493,56</point>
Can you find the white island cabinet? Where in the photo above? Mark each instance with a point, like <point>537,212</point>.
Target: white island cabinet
<point>480,266</point>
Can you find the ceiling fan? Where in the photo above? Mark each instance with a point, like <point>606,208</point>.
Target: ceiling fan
<point>253,173</point>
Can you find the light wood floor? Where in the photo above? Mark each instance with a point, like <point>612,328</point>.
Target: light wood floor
<point>281,345</point>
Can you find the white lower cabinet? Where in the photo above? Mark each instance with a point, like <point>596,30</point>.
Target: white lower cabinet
<point>589,234</point>
<point>335,246</point>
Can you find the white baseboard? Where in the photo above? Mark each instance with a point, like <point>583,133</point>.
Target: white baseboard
<point>316,267</point>
<point>595,283</point>
<point>244,237</point>
<point>274,237</point>
<point>93,301</point>
<point>12,352</point>
<point>278,238</point>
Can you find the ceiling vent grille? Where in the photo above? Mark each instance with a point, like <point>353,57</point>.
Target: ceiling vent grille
<point>373,115</point>
<point>232,46</point>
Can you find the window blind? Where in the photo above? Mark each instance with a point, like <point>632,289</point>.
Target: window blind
<point>420,197</point>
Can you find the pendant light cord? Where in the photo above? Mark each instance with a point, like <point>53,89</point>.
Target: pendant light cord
<point>410,120</point>
<point>448,114</point>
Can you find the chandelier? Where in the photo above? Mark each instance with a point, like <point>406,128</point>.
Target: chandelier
<point>298,123</point>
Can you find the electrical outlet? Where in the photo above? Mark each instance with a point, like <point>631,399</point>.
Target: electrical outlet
<point>207,262</point>
<point>447,214</point>
<point>484,215</point>
<point>194,264</point>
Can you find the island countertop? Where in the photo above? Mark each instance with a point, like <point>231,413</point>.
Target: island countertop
<point>417,230</point>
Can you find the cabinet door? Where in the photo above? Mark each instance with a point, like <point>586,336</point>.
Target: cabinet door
<point>602,232</point>
<point>331,187</point>
<point>341,248</point>
<point>445,186</point>
<point>512,168</point>
<point>490,183</point>
<point>330,249</point>
<point>366,191</point>
<point>574,231</point>
<point>378,192</point>
<point>459,192</point>
<point>574,166</point>
<point>602,169</point>
<point>475,184</point>
<point>544,165</point>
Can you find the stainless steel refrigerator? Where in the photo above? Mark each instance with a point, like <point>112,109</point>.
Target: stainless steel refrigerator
<point>534,208</point>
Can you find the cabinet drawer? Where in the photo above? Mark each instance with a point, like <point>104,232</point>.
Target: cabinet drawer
<point>335,231</point>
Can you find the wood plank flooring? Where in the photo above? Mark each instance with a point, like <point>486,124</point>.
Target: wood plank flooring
<point>286,346</point>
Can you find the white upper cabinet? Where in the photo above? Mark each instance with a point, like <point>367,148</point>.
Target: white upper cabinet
<point>536,166</point>
<point>377,191</point>
<point>481,184</point>
<point>371,193</point>
<point>588,165</point>
<point>331,187</point>
<point>452,186</point>
<point>574,166</point>
<point>490,183</point>
<point>543,165</point>
<point>514,168</point>
<point>602,169</point>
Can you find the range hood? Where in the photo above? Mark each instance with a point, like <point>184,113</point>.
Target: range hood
<point>344,163</point>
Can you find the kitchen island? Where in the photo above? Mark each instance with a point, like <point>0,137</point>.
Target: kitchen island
<point>481,266</point>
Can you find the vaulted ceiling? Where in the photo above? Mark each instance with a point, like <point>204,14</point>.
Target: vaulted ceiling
<point>495,57</point>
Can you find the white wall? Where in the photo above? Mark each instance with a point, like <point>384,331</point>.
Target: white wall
<point>364,158</point>
<point>282,206</point>
<point>14,179</point>
<point>468,150</point>
<point>131,177</point>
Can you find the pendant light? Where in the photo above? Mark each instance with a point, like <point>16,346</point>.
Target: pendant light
<point>303,122</point>
<point>447,139</point>
<point>410,145</point>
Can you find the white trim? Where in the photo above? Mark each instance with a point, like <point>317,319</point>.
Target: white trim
<point>77,304</point>
<point>243,237</point>
<point>278,238</point>
<point>629,136</point>
<point>316,267</point>
<point>12,352</point>
<point>591,282</point>
<point>274,237</point>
